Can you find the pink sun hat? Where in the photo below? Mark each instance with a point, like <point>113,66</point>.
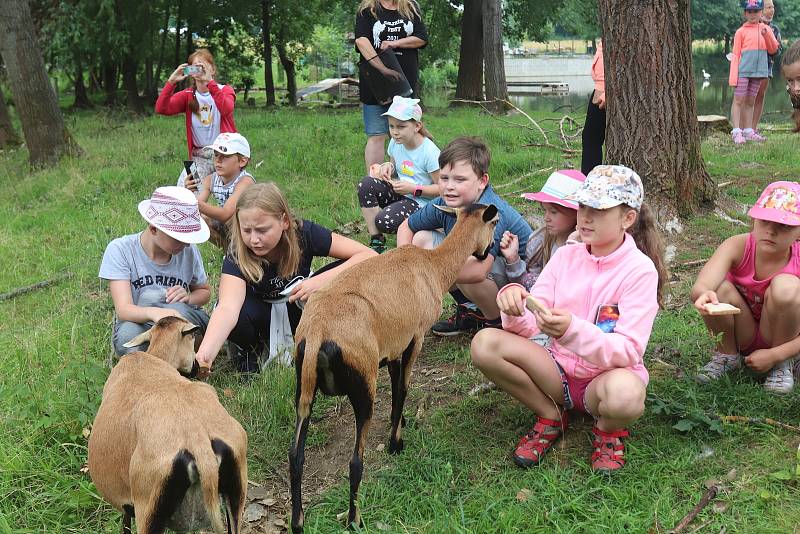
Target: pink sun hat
<point>174,211</point>
<point>780,203</point>
<point>559,185</point>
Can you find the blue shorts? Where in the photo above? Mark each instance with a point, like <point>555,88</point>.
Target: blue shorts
<point>374,121</point>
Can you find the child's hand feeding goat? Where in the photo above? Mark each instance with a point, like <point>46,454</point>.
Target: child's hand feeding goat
<point>162,447</point>
<point>377,311</point>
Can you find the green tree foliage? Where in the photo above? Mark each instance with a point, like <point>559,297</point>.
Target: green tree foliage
<point>578,18</point>
<point>715,19</point>
<point>237,54</point>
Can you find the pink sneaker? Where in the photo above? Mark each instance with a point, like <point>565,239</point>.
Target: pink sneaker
<point>754,137</point>
<point>738,138</point>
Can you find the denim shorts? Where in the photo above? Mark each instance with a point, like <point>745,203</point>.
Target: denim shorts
<point>374,121</point>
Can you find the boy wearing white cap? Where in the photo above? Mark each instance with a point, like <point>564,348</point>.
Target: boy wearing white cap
<point>231,156</point>
<point>158,272</point>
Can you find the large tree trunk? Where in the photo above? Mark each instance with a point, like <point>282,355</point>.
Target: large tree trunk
<point>470,58</point>
<point>164,31</point>
<point>129,67</point>
<point>110,82</point>
<point>8,136</point>
<point>266,28</point>
<point>288,66</point>
<point>81,98</point>
<point>494,73</point>
<point>189,42</point>
<point>46,135</point>
<point>651,114</point>
<point>178,59</point>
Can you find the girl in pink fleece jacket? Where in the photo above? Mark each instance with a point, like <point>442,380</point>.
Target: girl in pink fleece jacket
<point>602,296</point>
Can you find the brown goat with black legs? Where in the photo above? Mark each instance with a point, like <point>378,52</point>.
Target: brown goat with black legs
<point>162,447</point>
<point>377,311</point>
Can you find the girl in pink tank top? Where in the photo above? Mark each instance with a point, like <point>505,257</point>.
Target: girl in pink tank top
<point>758,273</point>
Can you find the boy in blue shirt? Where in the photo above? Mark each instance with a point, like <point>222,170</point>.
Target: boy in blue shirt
<point>464,180</point>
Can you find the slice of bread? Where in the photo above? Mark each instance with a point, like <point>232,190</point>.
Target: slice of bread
<point>534,305</point>
<point>723,308</point>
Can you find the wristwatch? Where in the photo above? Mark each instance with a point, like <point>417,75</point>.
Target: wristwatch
<point>418,191</point>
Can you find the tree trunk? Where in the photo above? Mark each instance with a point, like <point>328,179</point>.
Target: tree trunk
<point>651,115</point>
<point>81,98</point>
<point>727,43</point>
<point>288,66</point>
<point>110,82</point>
<point>494,73</point>
<point>266,28</point>
<point>129,66</point>
<point>178,59</point>
<point>8,136</point>
<point>46,135</point>
<point>164,31</point>
<point>469,85</point>
<point>189,42</point>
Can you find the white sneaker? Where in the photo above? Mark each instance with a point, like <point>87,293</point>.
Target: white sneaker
<point>780,379</point>
<point>718,366</point>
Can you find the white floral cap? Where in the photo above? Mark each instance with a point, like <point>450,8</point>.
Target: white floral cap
<point>607,186</point>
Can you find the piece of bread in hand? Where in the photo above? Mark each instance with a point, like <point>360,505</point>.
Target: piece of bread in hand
<point>534,305</point>
<point>723,308</point>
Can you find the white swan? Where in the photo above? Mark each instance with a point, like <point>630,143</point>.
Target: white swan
<point>706,75</point>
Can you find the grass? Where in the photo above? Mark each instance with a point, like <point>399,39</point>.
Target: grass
<point>455,475</point>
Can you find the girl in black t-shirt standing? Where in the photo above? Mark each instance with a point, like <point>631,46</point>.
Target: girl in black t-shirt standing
<point>382,25</point>
<point>258,300</point>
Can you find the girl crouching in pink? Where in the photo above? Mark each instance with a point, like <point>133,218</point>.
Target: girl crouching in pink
<point>601,296</point>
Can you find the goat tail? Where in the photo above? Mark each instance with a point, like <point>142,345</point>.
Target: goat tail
<point>232,482</point>
<point>306,361</point>
<point>208,469</point>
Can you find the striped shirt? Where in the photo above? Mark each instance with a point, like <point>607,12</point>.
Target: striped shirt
<point>222,191</point>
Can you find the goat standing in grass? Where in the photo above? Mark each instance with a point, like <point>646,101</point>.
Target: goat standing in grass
<point>162,447</point>
<point>376,312</point>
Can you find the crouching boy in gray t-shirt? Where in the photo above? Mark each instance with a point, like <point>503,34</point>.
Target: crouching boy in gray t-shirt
<point>158,272</point>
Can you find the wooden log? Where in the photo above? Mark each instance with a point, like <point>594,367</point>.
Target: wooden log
<point>713,123</point>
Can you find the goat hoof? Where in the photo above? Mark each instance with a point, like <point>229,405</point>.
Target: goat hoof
<point>354,521</point>
<point>396,447</point>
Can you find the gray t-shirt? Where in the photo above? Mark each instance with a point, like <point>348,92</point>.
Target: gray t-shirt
<point>125,259</point>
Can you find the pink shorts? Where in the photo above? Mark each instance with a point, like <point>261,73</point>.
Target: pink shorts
<point>747,86</point>
<point>757,343</point>
<point>574,389</point>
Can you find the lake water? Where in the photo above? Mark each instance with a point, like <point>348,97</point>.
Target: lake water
<point>713,97</point>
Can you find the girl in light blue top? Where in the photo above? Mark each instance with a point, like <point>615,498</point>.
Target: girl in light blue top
<point>396,189</point>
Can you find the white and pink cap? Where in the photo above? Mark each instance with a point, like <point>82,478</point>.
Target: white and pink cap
<point>559,185</point>
<point>174,211</point>
<point>780,203</point>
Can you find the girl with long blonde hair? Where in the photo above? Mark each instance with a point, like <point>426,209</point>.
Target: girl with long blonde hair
<point>266,277</point>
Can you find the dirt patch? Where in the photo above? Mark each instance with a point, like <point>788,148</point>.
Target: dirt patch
<point>433,386</point>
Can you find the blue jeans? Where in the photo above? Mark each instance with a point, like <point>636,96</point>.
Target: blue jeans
<point>124,331</point>
<point>374,121</point>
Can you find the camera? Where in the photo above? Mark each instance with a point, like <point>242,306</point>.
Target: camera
<point>192,69</point>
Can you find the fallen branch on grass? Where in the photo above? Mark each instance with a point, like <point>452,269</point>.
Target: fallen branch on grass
<point>535,125</point>
<point>707,497</point>
<point>33,287</point>
<point>755,421</point>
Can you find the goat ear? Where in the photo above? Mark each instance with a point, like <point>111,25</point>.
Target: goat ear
<point>144,337</point>
<point>489,213</point>
<point>189,328</point>
<point>447,209</point>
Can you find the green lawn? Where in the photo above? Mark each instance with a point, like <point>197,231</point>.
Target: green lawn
<point>455,474</point>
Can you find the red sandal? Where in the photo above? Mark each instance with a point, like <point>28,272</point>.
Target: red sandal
<point>533,445</point>
<point>608,450</point>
